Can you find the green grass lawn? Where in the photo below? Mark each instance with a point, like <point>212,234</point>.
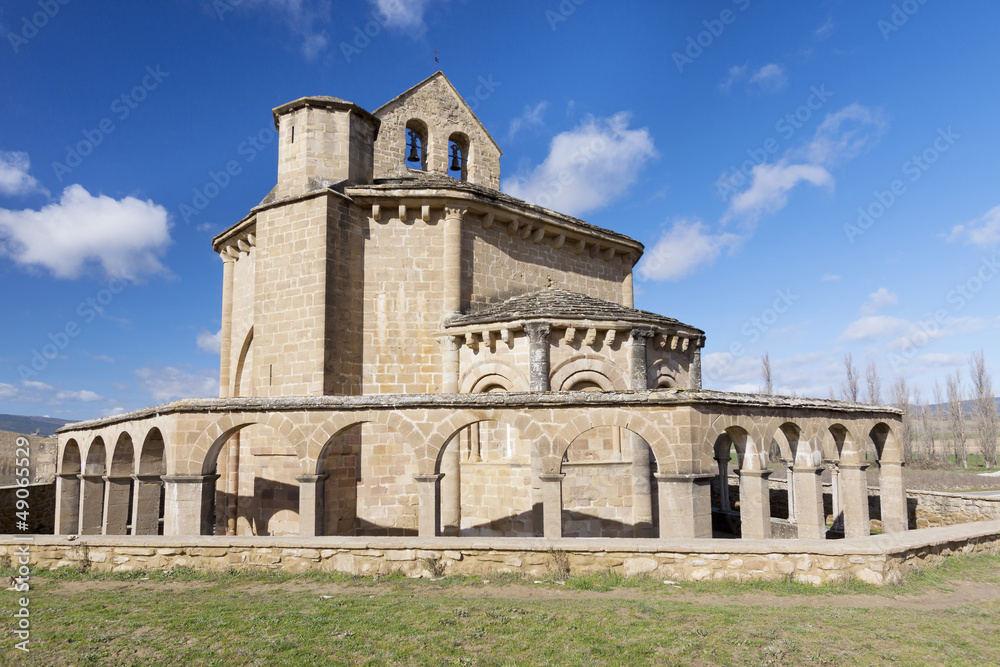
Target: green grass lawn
<point>187,618</point>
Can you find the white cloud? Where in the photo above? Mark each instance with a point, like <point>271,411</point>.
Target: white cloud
<point>84,395</point>
<point>841,136</point>
<point>845,134</point>
<point>874,326</point>
<point>943,359</point>
<point>303,17</point>
<point>983,231</point>
<point>829,277</point>
<point>14,176</point>
<point>123,236</point>
<point>770,185</point>
<point>878,300</point>
<point>532,117</point>
<point>724,370</point>
<point>736,73</point>
<point>770,78</point>
<point>8,390</point>
<point>210,342</point>
<point>38,386</point>
<point>826,29</point>
<point>105,358</point>
<point>402,15</point>
<point>587,167</point>
<point>169,383</point>
<point>682,249</point>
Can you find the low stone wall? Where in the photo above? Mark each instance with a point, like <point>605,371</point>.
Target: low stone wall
<point>877,560</point>
<point>946,509</point>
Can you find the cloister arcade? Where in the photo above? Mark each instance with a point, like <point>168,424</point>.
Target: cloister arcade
<point>485,464</point>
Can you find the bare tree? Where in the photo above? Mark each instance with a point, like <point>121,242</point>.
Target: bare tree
<point>927,430</point>
<point>765,372</point>
<point>874,384</point>
<point>985,407</point>
<point>850,387</point>
<point>956,417</point>
<point>901,398</point>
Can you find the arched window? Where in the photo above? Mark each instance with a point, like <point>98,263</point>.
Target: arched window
<point>458,156</point>
<point>415,145</point>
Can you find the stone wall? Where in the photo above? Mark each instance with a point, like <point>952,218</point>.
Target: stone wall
<point>875,560</point>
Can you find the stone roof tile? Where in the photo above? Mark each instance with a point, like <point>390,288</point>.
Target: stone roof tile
<point>559,304</point>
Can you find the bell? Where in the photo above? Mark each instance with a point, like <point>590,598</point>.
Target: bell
<point>414,156</point>
<point>456,165</point>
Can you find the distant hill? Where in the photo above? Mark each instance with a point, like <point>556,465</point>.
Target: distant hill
<point>20,424</point>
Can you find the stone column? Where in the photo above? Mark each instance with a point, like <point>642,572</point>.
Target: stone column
<point>233,483</point>
<point>628,298</point>
<point>723,481</point>
<point>312,506</point>
<point>117,495</point>
<point>146,504</point>
<point>451,487</point>
<point>685,505</point>
<point>91,504</point>
<point>452,263</point>
<point>790,487</point>
<point>68,499</point>
<point>429,512</point>
<point>893,497</point>
<point>694,377</point>
<point>450,348</point>
<point>838,519</point>
<point>755,504</point>
<point>854,481</point>
<point>225,355</point>
<point>638,339</point>
<point>809,502</point>
<point>552,504</point>
<point>538,355</point>
<point>188,505</point>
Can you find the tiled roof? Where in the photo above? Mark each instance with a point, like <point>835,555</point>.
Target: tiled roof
<point>558,304</point>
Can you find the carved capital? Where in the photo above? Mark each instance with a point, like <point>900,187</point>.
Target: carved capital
<point>455,212</point>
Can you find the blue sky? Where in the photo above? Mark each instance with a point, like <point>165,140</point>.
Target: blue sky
<point>810,179</point>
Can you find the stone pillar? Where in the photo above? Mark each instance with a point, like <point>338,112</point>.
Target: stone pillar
<point>685,505</point>
<point>638,338</point>
<point>552,504</point>
<point>893,498</point>
<point>790,486</point>
<point>809,502</point>
<point>146,504</point>
<point>854,482</point>
<point>91,504</point>
<point>312,514</point>
<point>755,504</point>
<point>538,355</point>
<point>429,513</point>
<point>225,355</point>
<point>233,483</point>
<point>694,377</point>
<point>642,499</point>
<point>838,519</point>
<point>451,487</point>
<point>117,496</point>
<point>452,263</point>
<point>628,291</point>
<point>723,481</point>
<point>188,505</point>
<point>68,504</point>
<point>450,348</point>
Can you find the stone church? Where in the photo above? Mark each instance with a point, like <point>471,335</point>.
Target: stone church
<point>406,350</point>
